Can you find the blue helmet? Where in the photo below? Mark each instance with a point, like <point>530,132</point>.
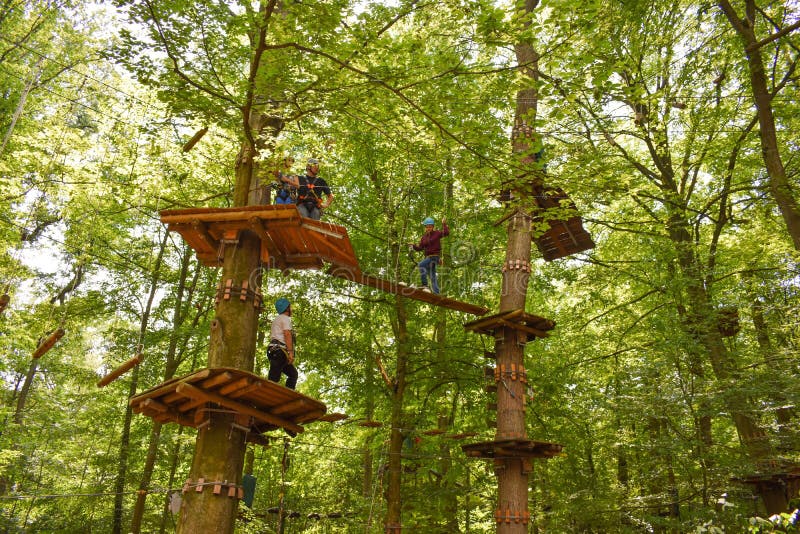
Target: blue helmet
<point>428,221</point>
<point>282,304</point>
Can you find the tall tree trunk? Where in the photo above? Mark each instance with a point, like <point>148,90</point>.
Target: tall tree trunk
<point>701,325</point>
<point>512,476</point>
<point>783,415</point>
<point>124,442</point>
<point>178,315</point>
<point>369,413</point>
<point>395,469</point>
<point>219,451</point>
<point>779,185</point>
<point>174,458</point>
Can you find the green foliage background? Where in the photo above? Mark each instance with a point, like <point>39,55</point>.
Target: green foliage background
<point>409,106</point>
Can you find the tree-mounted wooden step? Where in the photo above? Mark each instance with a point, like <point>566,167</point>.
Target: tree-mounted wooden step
<point>512,448</point>
<point>565,236</point>
<point>531,325</point>
<point>259,405</point>
<point>288,241</point>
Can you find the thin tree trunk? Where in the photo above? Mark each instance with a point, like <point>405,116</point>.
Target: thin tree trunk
<point>174,457</point>
<point>395,471</point>
<point>783,414</point>
<point>37,71</point>
<point>155,433</point>
<point>282,494</point>
<point>122,466</point>
<point>369,413</point>
<point>23,393</point>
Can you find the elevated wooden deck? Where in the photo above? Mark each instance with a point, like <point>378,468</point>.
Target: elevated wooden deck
<point>564,237</point>
<point>512,448</point>
<point>259,405</point>
<point>532,325</point>
<point>289,241</point>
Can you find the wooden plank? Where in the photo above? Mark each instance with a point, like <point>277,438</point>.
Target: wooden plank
<point>216,380</point>
<point>119,371</point>
<point>237,214</point>
<point>171,417</point>
<point>480,324</point>
<point>324,231</point>
<point>48,343</point>
<point>407,291</point>
<point>169,386</point>
<point>524,328</point>
<point>239,407</point>
<point>320,245</point>
<point>333,417</point>
<point>290,406</point>
<point>235,385</point>
<point>258,227</point>
<point>151,404</point>
<point>188,404</point>
<point>245,390</point>
<point>202,231</point>
<point>309,416</point>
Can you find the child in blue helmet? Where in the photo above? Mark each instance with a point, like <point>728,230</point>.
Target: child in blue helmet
<point>431,244</point>
<point>281,345</point>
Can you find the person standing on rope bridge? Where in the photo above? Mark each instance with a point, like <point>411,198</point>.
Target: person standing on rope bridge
<point>310,191</point>
<point>287,183</point>
<point>432,245</point>
<point>281,345</point>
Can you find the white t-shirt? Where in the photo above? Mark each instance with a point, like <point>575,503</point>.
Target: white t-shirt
<point>279,324</point>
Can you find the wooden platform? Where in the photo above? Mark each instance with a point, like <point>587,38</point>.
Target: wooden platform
<point>533,325</point>
<point>564,237</point>
<point>289,241</point>
<point>259,405</point>
<point>512,448</point>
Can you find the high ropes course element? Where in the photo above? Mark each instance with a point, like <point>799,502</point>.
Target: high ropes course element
<point>260,405</point>
<point>289,241</point>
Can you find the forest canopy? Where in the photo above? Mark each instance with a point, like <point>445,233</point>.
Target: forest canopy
<point>670,376</point>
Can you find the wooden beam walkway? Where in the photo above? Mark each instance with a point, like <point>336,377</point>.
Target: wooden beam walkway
<point>289,241</point>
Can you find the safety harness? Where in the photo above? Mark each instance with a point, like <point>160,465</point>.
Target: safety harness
<point>312,197</point>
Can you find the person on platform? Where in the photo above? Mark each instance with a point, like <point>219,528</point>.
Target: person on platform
<point>287,183</point>
<point>310,192</point>
<point>431,244</point>
<point>281,345</point>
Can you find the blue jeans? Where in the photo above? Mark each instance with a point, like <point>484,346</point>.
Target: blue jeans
<point>280,199</point>
<point>309,211</point>
<point>427,267</point>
